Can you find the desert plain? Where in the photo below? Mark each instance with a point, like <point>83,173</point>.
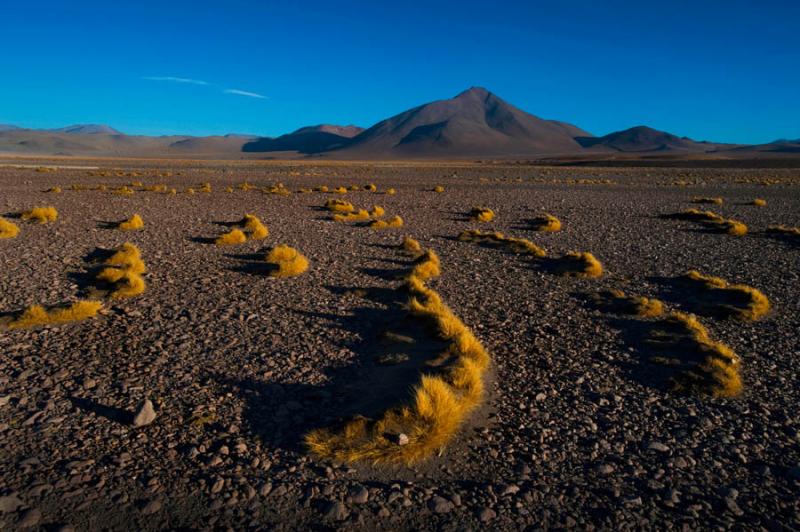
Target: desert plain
<point>581,423</point>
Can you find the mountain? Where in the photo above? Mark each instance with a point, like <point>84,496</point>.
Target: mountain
<point>645,139</point>
<point>87,129</point>
<point>342,131</point>
<point>476,123</point>
<point>306,140</point>
<point>8,127</point>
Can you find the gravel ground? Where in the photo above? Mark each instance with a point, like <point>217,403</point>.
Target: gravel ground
<point>577,430</point>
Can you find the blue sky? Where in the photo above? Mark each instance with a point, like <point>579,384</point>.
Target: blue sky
<point>719,70</point>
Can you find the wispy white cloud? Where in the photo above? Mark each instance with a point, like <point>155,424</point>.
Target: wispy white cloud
<point>245,93</point>
<point>174,79</point>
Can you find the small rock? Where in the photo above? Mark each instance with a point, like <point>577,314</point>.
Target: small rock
<point>30,518</point>
<point>360,496</point>
<point>336,511</point>
<point>605,469</point>
<point>658,446</point>
<point>486,514</point>
<point>145,414</point>
<point>439,505</point>
<point>9,503</point>
<point>151,507</point>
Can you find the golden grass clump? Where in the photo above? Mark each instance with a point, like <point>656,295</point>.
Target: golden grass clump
<point>289,261</point>
<point>411,245</point>
<point>711,219</point>
<point>55,190</point>
<point>377,211</point>
<point>124,272</point>
<point>229,190</point>
<point>482,214</point>
<point>245,186</point>
<point>131,224</point>
<point>205,188</point>
<point>438,188</point>
<point>359,215</point>
<point>173,191</point>
<point>8,229</point>
<point>255,229</point>
<point>370,187</point>
<point>516,245</point>
<point>41,215</point>
<point>391,191</point>
<point>391,223</point>
<point>616,301</point>
<point>733,227</point>
<point>784,231</point>
<point>712,201</point>
<point>322,188</point>
<point>440,403</point>
<point>718,296</point>
<point>546,223</point>
<point>579,264</point>
<point>231,238</point>
<point>123,191</point>
<point>340,190</point>
<point>707,366</point>
<point>37,315</point>
<point>337,205</point>
<point>759,202</point>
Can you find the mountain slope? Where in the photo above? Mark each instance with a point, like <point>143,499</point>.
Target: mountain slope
<point>476,123</point>
<point>306,140</point>
<point>644,139</point>
<point>87,129</point>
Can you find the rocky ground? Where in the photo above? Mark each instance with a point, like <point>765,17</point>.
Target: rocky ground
<point>578,429</point>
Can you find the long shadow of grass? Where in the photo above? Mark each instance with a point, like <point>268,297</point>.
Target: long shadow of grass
<point>392,350</point>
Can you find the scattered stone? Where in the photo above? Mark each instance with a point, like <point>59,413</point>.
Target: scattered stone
<point>658,446</point>
<point>439,505</point>
<point>30,518</point>
<point>145,414</point>
<point>336,511</point>
<point>486,514</point>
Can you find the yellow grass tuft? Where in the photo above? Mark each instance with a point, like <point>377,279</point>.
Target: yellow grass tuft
<point>758,202</point>
<point>716,369</point>
<point>54,190</point>
<point>439,404</point>
<point>289,261</point>
<point>411,246</point>
<point>340,190</point>
<point>783,230</point>
<point>124,272</point>
<point>733,227</point>
<point>37,315</point>
<point>245,186</point>
<point>393,222</point>
<point>377,211</point>
<point>617,301</point>
<point>131,224</point>
<point>579,264</point>
<point>546,223</point>
<point>516,245</point>
<point>229,190</point>
<point>713,201</point>
<point>360,215</point>
<point>123,191</point>
<point>205,188</point>
<point>190,190</point>
<point>231,238</point>
<point>482,214</point>
<point>391,191</point>
<point>371,187</point>
<point>438,188</point>
<point>322,188</point>
<point>713,220</point>
<point>718,296</point>
<point>256,230</point>
<point>41,215</point>
<point>8,229</point>
<point>337,205</point>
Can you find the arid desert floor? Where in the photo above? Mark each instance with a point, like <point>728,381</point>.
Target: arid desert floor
<point>586,419</point>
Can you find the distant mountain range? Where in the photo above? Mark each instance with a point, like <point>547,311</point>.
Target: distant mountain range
<point>475,124</point>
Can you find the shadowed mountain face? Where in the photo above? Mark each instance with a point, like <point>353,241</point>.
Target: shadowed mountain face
<point>87,129</point>
<point>476,123</point>
<point>644,139</point>
<point>306,140</point>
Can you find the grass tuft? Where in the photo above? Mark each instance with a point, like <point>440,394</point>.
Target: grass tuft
<point>8,229</point>
<point>391,223</point>
<point>377,211</point>
<point>124,272</point>
<point>370,187</point>
<point>616,301</point>
<point>438,188</point>
<point>759,202</point>
<point>360,215</point>
<point>255,229</point>
<point>37,315</point>
<point>546,223</point>
<point>231,238</point>
<point>711,219</point>
<point>784,231</point>
<point>712,201</point>
<point>516,245</point>
<point>41,215</point>
<point>289,261</point>
<point>391,191</point>
<point>410,245</point>
<point>439,404</point>
<point>579,264</point>
<point>482,214</point>
<point>337,205</point>
<point>716,296</point>
<point>131,224</point>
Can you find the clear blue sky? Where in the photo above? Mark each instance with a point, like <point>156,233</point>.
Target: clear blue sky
<point>719,70</point>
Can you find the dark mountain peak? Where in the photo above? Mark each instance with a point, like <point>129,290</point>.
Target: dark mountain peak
<point>87,129</point>
<point>474,92</point>
<point>642,139</point>
<point>349,131</point>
